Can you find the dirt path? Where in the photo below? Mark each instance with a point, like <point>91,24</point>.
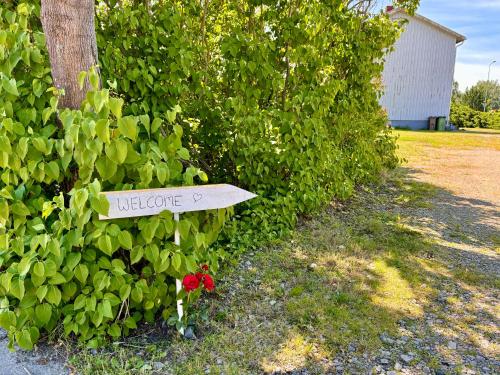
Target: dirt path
<point>465,214</point>
<point>467,173</point>
<point>460,329</point>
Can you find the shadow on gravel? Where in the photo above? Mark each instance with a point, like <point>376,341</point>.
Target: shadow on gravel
<point>457,218</point>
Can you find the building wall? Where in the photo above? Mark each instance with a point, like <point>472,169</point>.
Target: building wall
<point>418,75</point>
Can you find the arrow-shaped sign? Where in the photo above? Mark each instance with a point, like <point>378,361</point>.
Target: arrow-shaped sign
<point>132,203</point>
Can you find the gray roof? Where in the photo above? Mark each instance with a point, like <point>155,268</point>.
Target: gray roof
<point>458,37</point>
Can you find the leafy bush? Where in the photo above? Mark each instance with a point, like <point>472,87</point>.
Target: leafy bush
<point>58,262</point>
<point>463,116</point>
<point>280,98</point>
<point>278,105</point>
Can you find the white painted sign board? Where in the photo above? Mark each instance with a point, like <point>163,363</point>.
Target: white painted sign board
<point>133,203</point>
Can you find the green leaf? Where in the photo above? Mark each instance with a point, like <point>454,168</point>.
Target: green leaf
<point>20,209</point>
<point>101,99</point>
<point>80,198</point>
<point>72,259</point>
<point>43,313</point>
<point>39,269</point>
<point>54,248</point>
<point>128,127</point>
<point>178,131</point>
<point>17,288</point>
<point>46,113</point>
<point>115,330</point>
<point>94,78</point>
<point>101,280</point>
<point>24,266</point>
<point>50,268</point>
<point>136,254</point>
<point>116,104</point>
<point>155,125</point>
<point>23,339</point>
<point>162,173</point>
<point>41,292</point>
<point>125,239</point>
<point>52,170</point>
<point>106,168</point>
<point>100,204</point>
<point>149,229</point>
<point>171,115</point>
<point>125,291</point>
<point>80,302</point>
<point>7,319</point>
<point>184,226</point>
<point>203,176</point>
<point>104,244</point>
<point>130,323</point>
<point>57,279</point>
<point>53,295</point>
<point>5,144</point>
<point>117,151</point>
<point>183,153</point>
<point>81,79</point>
<point>81,273</point>
<point>97,318</point>
<point>146,123</point>
<point>102,130</point>
<point>136,294</point>
<point>107,312</point>
<point>10,85</point>
<point>177,261</point>
<point>37,88</point>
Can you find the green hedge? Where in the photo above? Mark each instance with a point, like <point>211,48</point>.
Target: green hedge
<point>272,102</point>
<point>463,116</point>
<point>280,98</point>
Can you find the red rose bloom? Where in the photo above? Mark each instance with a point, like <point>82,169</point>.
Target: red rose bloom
<point>190,283</point>
<point>204,267</point>
<point>199,276</point>
<point>208,283</point>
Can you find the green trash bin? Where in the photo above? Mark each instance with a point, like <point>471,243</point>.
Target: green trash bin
<point>441,124</point>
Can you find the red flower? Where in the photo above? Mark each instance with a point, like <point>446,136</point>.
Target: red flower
<point>204,267</point>
<point>190,283</point>
<point>199,275</point>
<point>208,283</point>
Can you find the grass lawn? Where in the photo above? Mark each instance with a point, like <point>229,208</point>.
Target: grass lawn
<point>416,143</point>
<point>464,162</point>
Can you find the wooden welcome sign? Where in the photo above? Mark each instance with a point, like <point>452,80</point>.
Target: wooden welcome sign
<point>147,202</point>
<point>133,203</point>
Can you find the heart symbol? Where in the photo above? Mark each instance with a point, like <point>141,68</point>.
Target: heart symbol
<point>197,197</point>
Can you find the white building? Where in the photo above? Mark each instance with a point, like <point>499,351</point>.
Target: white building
<point>418,75</point>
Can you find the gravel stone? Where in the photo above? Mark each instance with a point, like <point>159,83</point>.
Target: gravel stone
<point>452,345</point>
<point>406,358</point>
<point>158,365</point>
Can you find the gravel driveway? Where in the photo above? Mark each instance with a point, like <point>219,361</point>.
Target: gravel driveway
<point>463,218</point>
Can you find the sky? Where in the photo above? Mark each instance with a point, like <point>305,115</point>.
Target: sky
<point>479,21</point>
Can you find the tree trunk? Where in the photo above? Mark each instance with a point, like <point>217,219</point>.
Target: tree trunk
<point>71,41</point>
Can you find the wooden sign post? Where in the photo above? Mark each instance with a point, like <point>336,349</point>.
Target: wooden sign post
<point>148,202</point>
